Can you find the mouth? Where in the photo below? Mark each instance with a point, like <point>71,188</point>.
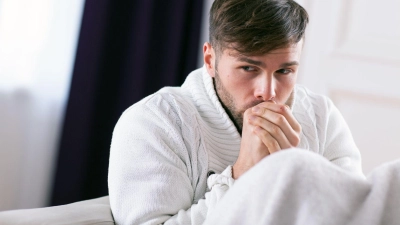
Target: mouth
<point>289,102</point>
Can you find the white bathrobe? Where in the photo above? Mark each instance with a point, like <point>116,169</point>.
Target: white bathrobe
<point>165,147</point>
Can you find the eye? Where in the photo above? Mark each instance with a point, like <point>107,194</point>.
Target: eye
<point>248,68</point>
<point>284,71</point>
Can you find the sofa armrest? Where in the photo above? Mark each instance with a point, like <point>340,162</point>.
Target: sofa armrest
<point>94,211</point>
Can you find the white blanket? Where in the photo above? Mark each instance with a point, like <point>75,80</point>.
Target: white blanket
<point>300,187</point>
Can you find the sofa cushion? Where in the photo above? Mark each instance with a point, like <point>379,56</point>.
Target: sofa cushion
<point>95,211</point>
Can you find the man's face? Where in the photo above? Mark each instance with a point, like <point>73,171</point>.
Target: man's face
<point>243,81</point>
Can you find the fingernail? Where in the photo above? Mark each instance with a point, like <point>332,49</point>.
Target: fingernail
<point>256,109</point>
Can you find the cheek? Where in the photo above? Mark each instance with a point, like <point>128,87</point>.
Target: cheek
<point>242,85</point>
<point>285,87</point>
<point>287,82</point>
<point>231,79</point>
<point>238,87</point>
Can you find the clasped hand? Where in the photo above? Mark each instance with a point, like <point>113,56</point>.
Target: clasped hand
<point>267,128</point>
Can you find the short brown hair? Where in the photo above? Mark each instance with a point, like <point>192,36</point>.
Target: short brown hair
<point>256,27</point>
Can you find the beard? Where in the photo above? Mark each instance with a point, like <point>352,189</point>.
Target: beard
<point>228,103</point>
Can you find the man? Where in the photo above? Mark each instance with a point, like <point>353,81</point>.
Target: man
<point>176,153</point>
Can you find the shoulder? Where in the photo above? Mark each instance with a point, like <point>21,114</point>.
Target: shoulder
<point>303,94</point>
<point>311,102</point>
<point>167,100</point>
<point>177,103</point>
<point>165,110</point>
<point>312,111</point>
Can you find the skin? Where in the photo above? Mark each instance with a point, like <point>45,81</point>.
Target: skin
<point>256,92</point>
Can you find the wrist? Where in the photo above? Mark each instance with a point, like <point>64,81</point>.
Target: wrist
<point>236,172</point>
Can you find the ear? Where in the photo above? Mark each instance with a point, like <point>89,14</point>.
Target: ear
<point>209,58</point>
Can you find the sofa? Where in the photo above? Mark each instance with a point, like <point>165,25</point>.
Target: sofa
<point>95,211</point>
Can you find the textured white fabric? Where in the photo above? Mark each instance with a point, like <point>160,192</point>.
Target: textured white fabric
<point>163,147</point>
<point>94,211</point>
<point>300,187</point>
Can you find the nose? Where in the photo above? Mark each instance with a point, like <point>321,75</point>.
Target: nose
<point>265,88</point>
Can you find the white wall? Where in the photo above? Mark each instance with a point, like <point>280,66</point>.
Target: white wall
<point>37,49</point>
<point>352,55</point>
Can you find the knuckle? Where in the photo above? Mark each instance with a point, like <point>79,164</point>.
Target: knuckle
<point>246,113</point>
<point>280,119</point>
<point>252,119</point>
<point>261,133</point>
<point>248,119</point>
<point>259,130</point>
<point>247,116</point>
<point>282,109</point>
<point>297,127</point>
<point>296,141</point>
<point>256,130</point>
<point>274,146</point>
<point>260,110</point>
<point>275,129</point>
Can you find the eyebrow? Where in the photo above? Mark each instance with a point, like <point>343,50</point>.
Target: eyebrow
<point>292,63</point>
<point>259,63</point>
<point>254,62</point>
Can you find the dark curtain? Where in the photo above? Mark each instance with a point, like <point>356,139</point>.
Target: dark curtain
<point>127,50</point>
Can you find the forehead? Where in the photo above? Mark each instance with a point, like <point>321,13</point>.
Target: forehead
<point>291,50</point>
<point>231,50</point>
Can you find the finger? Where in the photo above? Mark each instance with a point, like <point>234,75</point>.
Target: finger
<point>282,122</point>
<point>274,130</point>
<point>283,110</point>
<point>267,139</point>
